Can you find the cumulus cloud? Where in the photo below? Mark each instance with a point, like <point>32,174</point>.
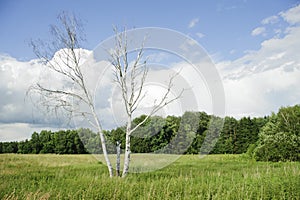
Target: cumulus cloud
<point>261,93</point>
<point>195,97</point>
<point>15,78</point>
<point>193,22</point>
<point>16,108</point>
<point>263,80</point>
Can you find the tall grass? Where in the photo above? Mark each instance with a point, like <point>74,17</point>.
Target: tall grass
<point>83,177</point>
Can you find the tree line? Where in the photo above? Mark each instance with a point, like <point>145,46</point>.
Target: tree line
<point>236,136</point>
<point>270,138</point>
<point>60,142</point>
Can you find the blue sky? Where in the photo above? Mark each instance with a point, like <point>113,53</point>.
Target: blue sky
<point>253,44</point>
<point>225,25</point>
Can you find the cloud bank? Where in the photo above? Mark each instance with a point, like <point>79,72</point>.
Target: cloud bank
<point>263,80</point>
<point>255,84</point>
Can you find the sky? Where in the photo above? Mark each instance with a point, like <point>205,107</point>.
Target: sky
<point>253,44</point>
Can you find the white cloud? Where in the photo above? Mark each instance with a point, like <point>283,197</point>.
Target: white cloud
<point>193,22</point>
<point>292,16</point>
<point>156,83</point>
<point>270,20</point>
<point>15,108</point>
<point>20,131</point>
<point>258,31</point>
<point>15,79</point>
<point>19,119</point>
<point>261,93</point>
<point>15,131</point>
<point>266,79</point>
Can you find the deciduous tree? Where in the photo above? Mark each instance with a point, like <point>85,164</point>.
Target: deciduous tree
<point>130,76</point>
<point>66,64</point>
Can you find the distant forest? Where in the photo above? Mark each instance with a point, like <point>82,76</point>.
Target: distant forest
<point>236,136</point>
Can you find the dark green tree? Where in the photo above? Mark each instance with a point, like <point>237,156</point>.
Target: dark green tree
<point>200,134</point>
<point>36,143</point>
<point>10,147</point>
<point>25,147</point>
<point>212,135</point>
<point>46,138</point>
<point>225,143</point>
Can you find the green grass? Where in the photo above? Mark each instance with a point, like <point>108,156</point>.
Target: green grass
<point>83,177</point>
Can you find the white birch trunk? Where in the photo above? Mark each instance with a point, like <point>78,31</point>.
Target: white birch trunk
<point>118,146</point>
<point>103,142</point>
<point>127,148</point>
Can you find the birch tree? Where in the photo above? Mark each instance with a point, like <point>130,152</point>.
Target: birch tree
<point>67,39</point>
<point>130,76</point>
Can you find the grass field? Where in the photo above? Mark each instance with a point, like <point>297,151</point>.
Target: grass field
<point>83,177</point>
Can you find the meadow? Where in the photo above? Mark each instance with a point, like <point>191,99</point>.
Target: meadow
<point>50,176</point>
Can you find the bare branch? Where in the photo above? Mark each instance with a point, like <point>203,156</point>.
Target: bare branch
<point>62,57</point>
<point>131,80</point>
<point>163,102</point>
